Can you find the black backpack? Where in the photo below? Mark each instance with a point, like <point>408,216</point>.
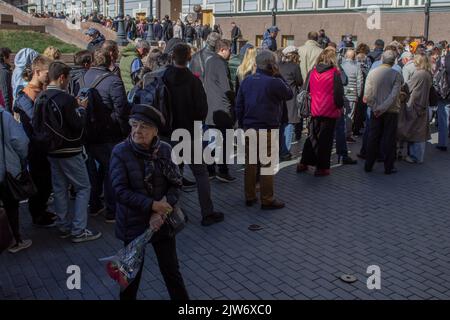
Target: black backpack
<point>155,93</point>
<point>47,123</point>
<point>98,114</point>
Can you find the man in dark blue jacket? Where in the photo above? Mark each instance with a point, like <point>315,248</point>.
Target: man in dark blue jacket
<point>259,106</point>
<point>270,39</point>
<point>101,141</point>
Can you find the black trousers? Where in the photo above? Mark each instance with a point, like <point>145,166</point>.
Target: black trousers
<point>318,145</point>
<point>42,177</point>
<point>166,253</point>
<point>382,134</point>
<point>223,168</point>
<point>11,207</point>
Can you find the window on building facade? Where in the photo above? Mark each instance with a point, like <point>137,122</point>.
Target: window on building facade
<point>267,5</point>
<point>287,41</point>
<point>365,3</point>
<point>301,4</point>
<point>247,5</point>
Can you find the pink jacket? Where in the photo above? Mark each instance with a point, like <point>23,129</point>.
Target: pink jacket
<point>322,89</point>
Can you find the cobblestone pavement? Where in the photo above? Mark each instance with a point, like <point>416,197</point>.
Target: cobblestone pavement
<point>330,226</point>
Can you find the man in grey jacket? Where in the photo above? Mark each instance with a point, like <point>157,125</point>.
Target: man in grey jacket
<point>352,91</point>
<point>408,66</point>
<point>382,94</point>
<point>220,95</point>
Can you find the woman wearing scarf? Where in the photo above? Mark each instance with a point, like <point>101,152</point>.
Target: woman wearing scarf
<point>146,185</point>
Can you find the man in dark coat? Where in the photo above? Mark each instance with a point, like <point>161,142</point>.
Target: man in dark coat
<point>199,59</point>
<point>220,94</point>
<point>235,35</point>
<point>101,142</point>
<point>189,105</point>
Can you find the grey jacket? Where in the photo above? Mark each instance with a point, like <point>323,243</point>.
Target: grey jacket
<point>219,92</point>
<point>16,145</point>
<point>408,71</point>
<point>355,79</point>
<point>382,89</point>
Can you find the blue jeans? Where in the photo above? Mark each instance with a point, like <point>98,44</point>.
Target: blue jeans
<point>340,136</point>
<point>101,153</point>
<point>66,171</point>
<point>286,132</point>
<point>417,150</point>
<point>443,111</point>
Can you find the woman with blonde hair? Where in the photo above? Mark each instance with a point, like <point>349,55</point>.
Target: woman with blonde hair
<point>413,122</point>
<point>247,67</point>
<point>52,53</point>
<point>327,100</point>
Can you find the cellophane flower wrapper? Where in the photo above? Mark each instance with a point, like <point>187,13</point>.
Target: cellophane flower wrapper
<point>124,266</point>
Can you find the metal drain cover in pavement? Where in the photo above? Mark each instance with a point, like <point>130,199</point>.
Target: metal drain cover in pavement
<point>254,227</point>
<point>348,278</point>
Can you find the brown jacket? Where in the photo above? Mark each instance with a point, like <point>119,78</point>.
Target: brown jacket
<point>413,125</point>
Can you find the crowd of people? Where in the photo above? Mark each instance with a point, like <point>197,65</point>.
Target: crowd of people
<point>99,132</point>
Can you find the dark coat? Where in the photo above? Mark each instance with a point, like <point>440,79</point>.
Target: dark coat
<point>188,100</point>
<point>291,73</point>
<point>158,31</point>
<point>5,85</point>
<point>375,55</point>
<point>133,203</point>
<point>198,61</point>
<point>259,103</point>
<point>112,92</point>
<point>219,91</point>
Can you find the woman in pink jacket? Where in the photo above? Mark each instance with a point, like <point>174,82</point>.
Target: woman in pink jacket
<point>327,101</point>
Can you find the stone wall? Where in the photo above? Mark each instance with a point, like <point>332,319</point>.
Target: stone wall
<point>61,29</point>
<point>393,24</point>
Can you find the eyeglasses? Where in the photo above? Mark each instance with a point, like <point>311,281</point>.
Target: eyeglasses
<point>135,124</point>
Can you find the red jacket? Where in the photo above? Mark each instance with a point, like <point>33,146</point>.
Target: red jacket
<point>327,92</point>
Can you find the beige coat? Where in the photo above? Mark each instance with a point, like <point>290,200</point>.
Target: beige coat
<point>308,56</point>
<point>413,125</point>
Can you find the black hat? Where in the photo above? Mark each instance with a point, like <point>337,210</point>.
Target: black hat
<point>148,114</point>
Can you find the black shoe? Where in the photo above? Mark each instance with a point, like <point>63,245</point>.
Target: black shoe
<point>392,171</point>
<point>286,157</point>
<point>350,140</point>
<point>367,169</point>
<point>361,156</point>
<point>347,160</point>
<point>43,222</point>
<point>225,177</point>
<point>187,184</point>
<point>95,211</point>
<point>273,206</point>
<point>215,217</point>
<point>250,203</point>
<point>50,215</point>
<point>441,148</point>
<point>110,218</point>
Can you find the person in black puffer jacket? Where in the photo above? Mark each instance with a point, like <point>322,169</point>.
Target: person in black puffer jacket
<point>147,187</point>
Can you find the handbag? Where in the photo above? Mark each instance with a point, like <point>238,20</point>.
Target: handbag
<point>21,187</point>
<point>6,236</point>
<point>304,101</point>
<point>176,220</point>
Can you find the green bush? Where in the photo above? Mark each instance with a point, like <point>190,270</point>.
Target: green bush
<point>16,40</point>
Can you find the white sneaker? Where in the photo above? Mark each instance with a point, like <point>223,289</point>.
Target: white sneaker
<point>410,160</point>
<point>86,235</point>
<point>20,246</point>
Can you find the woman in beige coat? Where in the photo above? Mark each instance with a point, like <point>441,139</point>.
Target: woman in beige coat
<point>413,123</point>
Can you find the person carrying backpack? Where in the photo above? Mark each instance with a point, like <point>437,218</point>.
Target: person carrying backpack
<point>82,61</point>
<point>13,151</point>
<point>39,166</point>
<point>58,127</point>
<point>441,82</point>
<point>107,123</point>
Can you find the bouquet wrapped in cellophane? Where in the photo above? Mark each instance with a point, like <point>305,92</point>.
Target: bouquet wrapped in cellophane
<point>124,266</point>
